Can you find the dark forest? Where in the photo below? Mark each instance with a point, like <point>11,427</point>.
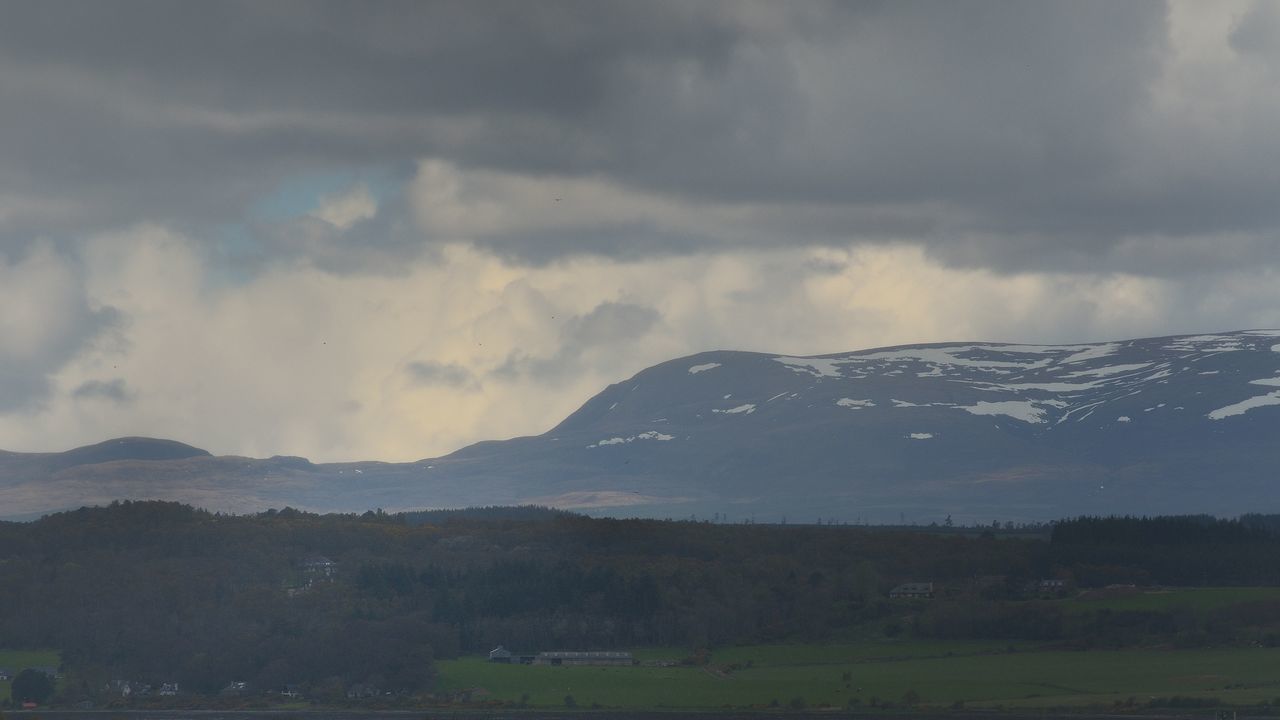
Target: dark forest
<point>167,593</point>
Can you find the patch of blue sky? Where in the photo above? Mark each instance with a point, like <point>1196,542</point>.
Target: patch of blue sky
<point>237,251</point>
<point>299,195</point>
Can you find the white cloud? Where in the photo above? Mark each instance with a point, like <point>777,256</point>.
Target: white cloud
<point>342,210</point>
<point>37,295</point>
<point>45,319</point>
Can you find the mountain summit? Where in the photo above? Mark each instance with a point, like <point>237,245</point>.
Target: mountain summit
<point>978,431</point>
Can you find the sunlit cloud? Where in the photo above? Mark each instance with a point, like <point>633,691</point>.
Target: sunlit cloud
<point>467,347</point>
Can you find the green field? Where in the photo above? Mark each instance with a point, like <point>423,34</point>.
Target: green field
<point>939,674</point>
<point>1199,599</point>
<point>16,660</point>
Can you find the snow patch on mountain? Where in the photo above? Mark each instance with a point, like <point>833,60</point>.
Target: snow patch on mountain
<point>748,409</point>
<point>703,368</point>
<point>1244,406</point>
<point>920,436</point>
<point>1057,387</point>
<point>1107,370</point>
<point>818,367</point>
<point>1209,344</point>
<point>650,435</point>
<point>951,356</point>
<point>1092,353</point>
<point>1023,410</point>
<point>1040,383</point>
<point>855,404</point>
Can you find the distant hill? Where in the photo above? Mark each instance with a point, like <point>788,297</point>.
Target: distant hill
<point>978,431</point>
<point>129,448</point>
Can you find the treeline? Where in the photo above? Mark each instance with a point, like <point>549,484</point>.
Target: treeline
<point>157,593</point>
<point>1115,556</point>
<point>488,512</point>
<point>1193,550</point>
<point>1166,530</point>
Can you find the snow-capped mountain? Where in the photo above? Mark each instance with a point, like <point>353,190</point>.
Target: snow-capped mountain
<point>980,431</point>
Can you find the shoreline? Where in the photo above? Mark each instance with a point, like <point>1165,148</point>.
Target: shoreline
<point>503,714</point>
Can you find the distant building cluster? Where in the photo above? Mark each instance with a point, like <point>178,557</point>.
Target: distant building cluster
<point>319,566</point>
<point>912,590</point>
<point>314,569</point>
<point>134,689</point>
<point>982,585</point>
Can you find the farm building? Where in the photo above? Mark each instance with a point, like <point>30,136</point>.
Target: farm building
<point>580,657</point>
<point>502,655</point>
<point>320,566</point>
<point>1049,587</point>
<point>913,590</point>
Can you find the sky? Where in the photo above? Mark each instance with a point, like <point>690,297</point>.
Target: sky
<point>386,230</point>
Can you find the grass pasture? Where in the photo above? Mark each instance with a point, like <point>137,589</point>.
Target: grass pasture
<point>976,674</point>
<point>1198,599</point>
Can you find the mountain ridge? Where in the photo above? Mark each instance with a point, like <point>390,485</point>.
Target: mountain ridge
<point>968,429</point>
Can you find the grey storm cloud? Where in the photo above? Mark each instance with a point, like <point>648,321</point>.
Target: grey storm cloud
<point>1008,135</point>
<point>114,390</point>
<point>447,374</point>
<point>607,324</point>
<point>610,326</point>
<point>1258,31</point>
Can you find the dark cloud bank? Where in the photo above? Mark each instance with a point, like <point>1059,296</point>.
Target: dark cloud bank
<point>1010,135</point>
